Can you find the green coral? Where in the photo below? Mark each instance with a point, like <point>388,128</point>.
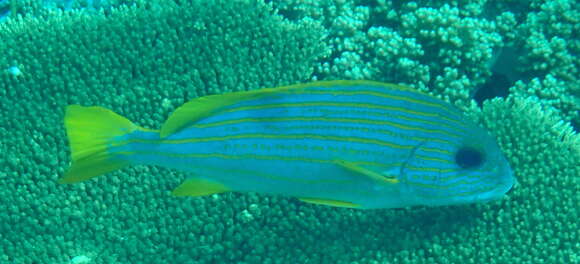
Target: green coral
<point>146,59</point>
<point>545,152</point>
<point>561,96</point>
<point>142,61</point>
<point>435,46</point>
<point>46,8</point>
<point>550,39</point>
<point>549,47</point>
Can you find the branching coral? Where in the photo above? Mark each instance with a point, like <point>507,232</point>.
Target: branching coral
<point>551,40</point>
<point>441,48</point>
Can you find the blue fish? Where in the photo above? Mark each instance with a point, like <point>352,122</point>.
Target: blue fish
<point>355,144</point>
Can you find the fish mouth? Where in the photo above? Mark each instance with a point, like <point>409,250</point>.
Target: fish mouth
<point>503,187</point>
<point>508,181</point>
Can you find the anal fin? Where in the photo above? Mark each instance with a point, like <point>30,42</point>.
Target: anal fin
<point>199,187</point>
<point>328,202</point>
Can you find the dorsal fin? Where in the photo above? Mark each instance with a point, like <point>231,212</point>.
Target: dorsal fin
<point>202,107</point>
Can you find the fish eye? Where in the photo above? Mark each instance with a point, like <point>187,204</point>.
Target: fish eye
<point>468,157</point>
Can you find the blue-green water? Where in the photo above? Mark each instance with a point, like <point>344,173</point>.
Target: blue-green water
<point>511,66</point>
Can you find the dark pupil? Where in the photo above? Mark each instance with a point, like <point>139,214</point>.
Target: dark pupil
<point>467,157</point>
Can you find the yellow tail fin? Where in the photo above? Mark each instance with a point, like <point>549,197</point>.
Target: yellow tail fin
<point>89,131</point>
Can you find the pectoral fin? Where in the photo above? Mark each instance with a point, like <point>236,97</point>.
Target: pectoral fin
<point>199,187</point>
<point>374,176</point>
<point>335,203</point>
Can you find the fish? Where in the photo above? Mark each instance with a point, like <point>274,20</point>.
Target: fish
<point>353,144</point>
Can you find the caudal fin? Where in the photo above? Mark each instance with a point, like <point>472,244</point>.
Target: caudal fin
<point>90,130</point>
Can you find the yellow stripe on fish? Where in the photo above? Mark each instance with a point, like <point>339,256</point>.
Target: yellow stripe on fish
<point>329,120</point>
<point>268,136</point>
<point>392,110</point>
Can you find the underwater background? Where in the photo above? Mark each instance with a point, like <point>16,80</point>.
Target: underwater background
<point>513,66</point>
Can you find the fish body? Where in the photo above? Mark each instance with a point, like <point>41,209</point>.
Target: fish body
<point>357,144</point>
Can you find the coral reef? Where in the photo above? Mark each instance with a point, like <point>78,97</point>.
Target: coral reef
<point>146,58</point>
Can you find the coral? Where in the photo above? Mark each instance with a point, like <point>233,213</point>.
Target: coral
<point>549,65</point>
<point>562,96</point>
<point>46,8</point>
<point>545,151</point>
<point>146,59</point>
<point>549,37</point>
<point>437,47</point>
<point>143,61</point>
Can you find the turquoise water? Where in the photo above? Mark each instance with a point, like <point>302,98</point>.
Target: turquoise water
<point>511,66</point>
